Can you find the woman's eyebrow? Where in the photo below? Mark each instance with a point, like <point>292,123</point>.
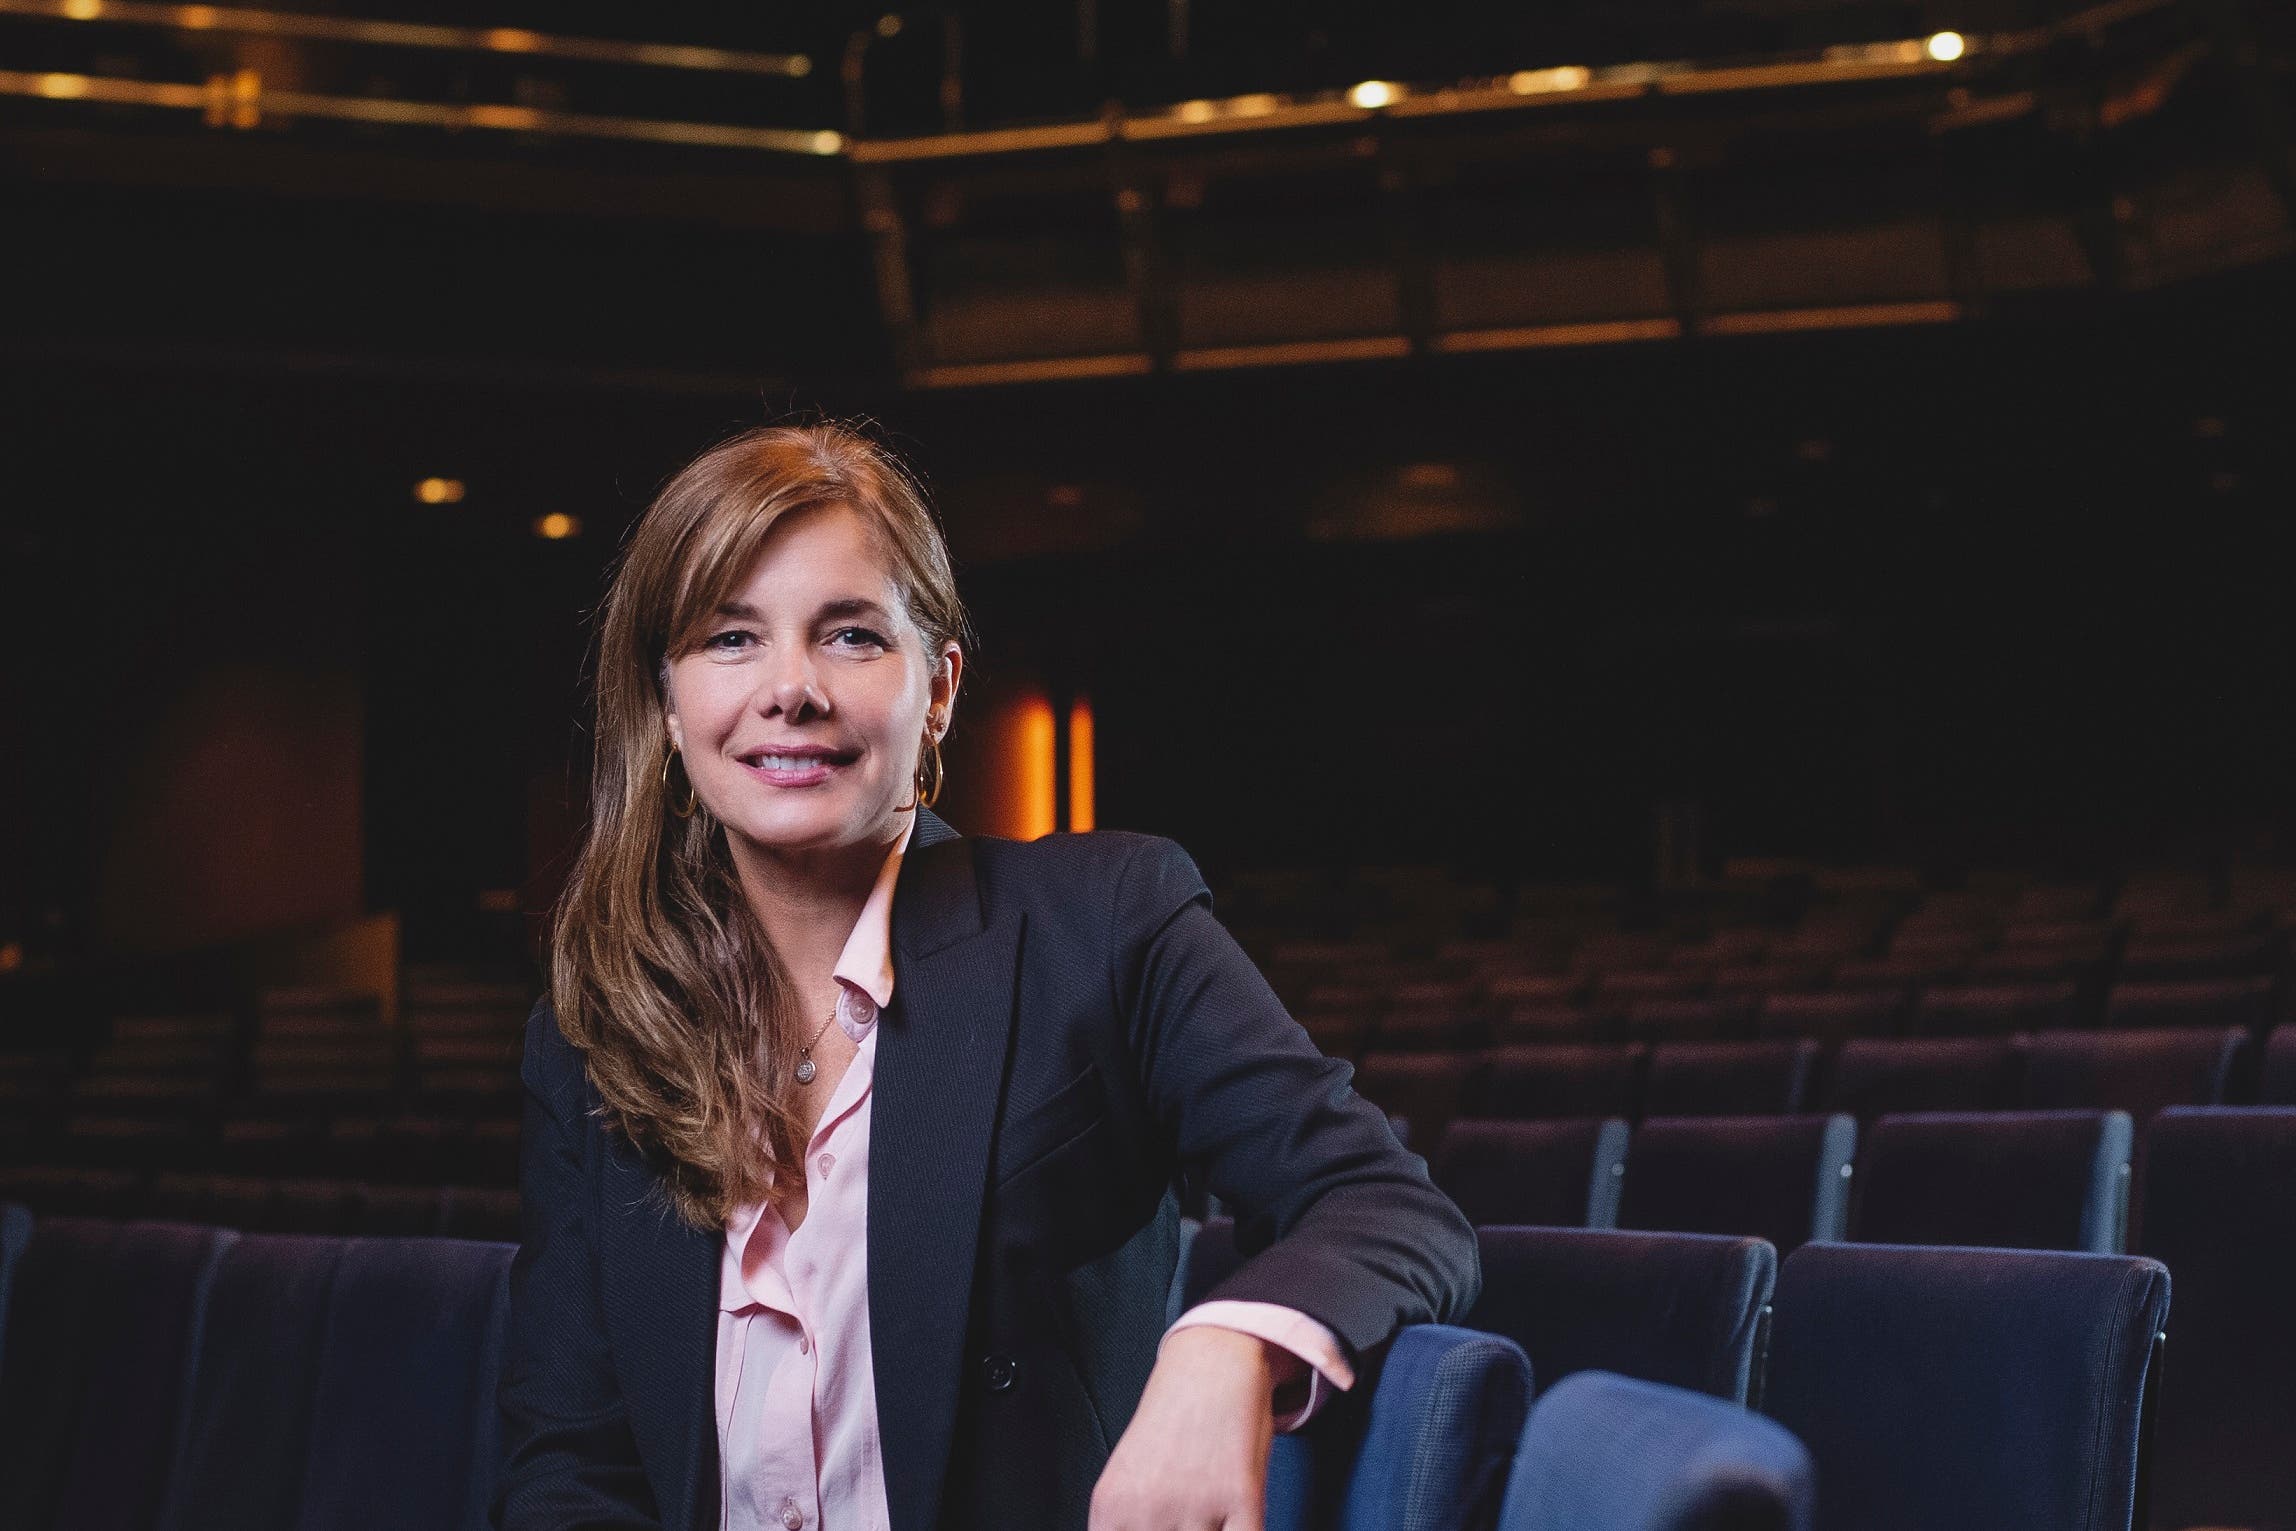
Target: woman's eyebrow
<point>847,606</point>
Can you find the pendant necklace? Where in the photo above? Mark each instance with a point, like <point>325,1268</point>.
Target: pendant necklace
<point>805,1069</point>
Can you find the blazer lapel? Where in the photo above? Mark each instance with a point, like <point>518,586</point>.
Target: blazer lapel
<point>661,1281</point>
<point>940,1069</point>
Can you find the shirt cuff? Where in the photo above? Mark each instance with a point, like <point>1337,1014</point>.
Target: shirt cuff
<point>1322,1365</point>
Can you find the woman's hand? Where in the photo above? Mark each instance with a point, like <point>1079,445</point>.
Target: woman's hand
<point>1195,1457</point>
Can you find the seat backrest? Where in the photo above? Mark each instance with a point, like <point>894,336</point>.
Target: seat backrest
<point>414,1339</point>
<point>1870,1078</point>
<point>2244,1002</point>
<point>1729,1078</point>
<point>1427,1451</point>
<point>1679,1308</point>
<point>1781,1178</point>
<point>1832,1017</point>
<point>1990,1010</point>
<point>1559,1079</point>
<point>15,1233</point>
<point>1977,1389</point>
<point>2277,1086</point>
<point>1606,1453</point>
<point>2134,1071</point>
<point>1716,1018</point>
<point>100,1335</point>
<point>1426,1088</point>
<point>2220,1213</point>
<point>2007,1179</point>
<point>1562,1174</point>
<point>247,1425</point>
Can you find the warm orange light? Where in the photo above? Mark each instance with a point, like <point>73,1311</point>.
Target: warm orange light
<point>1945,47</point>
<point>1028,769</point>
<point>440,491</point>
<point>1371,95</point>
<point>558,526</point>
<point>11,956</point>
<point>1080,764</point>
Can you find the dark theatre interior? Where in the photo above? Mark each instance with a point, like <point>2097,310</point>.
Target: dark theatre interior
<point>1708,581</point>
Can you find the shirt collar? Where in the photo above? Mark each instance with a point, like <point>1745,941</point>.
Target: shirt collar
<point>867,960</point>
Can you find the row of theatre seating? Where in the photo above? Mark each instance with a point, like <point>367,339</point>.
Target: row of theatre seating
<point>2213,1206</point>
<point>2253,1004</point>
<point>161,1376</point>
<point>310,1082</point>
<point>2138,1072</point>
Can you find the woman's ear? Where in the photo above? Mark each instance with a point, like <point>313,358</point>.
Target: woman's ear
<point>943,697</point>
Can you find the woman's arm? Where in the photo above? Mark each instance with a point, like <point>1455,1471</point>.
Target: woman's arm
<point>1336,1220</point>
<point>569,1460</point>
<point>1334,1217</point>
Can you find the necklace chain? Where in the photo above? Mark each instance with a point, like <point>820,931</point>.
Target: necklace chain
<point>805,1068</point>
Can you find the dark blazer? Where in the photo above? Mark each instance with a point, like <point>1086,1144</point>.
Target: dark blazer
<point>1070,1031</point>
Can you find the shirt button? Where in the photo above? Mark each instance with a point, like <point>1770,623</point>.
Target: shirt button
<point>998,1372</point>
<point>804,1344</point>
<point>791,1516</point>
<point>828,1163</point>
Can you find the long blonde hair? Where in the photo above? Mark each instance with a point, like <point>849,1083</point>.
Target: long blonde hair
<point>660,973</point>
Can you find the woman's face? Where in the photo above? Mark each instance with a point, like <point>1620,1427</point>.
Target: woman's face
<point>801,716</point>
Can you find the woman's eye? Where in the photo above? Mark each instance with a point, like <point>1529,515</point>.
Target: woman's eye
<point>726,642</point>
<point>862,635</point>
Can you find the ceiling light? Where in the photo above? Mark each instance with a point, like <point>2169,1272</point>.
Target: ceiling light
<point>440,491</point>
<point>1374,94</point>
<point>1945,47</point>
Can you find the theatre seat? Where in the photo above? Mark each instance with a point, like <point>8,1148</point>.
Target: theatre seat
<point>408,1375</point>
<point>2012,1179</point>
<point>100,1326</point>
<point>1608,1453</point>
<point>15,1233</point>
<point>1729,1078</point>
<point>1679,1308</point>
<point>1992,1010</point>
<point>1561,1174</point>
<point>1833,1017</point>
<point>1428,1451</point>
<point>1970,1389</point>
<point>2252,1003</point>
<point>1557,1080</point>
<point>2278,1084</point>
<point>1781,1178</point>
<point>246,1440</point>
<point>2134,1071</point>
<point>2220,1211</point>
<point>1426,1089</point>
<point>1870,1077</point>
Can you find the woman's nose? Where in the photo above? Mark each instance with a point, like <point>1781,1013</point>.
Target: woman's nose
<point>796,689</point>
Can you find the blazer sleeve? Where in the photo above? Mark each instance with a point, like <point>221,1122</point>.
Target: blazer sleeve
<point>570,1462</point>
<point>1333,1215</point>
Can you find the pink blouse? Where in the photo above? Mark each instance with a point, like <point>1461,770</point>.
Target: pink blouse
<point>796,1396</point>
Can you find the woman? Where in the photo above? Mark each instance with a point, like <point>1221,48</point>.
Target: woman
<point>850,1140</point>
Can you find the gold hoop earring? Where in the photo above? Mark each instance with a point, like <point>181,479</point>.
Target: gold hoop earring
<point>693,793</point>
<point>921,796</point>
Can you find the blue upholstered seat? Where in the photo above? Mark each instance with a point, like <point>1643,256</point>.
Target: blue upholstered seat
<point>1427,1450</point>
<point>2013,1179</point>
<point>1730,1078</point>
<point>1562,1174</point>
<point>1781,1178</point>
<point>2134,1071</point>
<point>2220,1211</point>
<point>1679,1308</point>
<point>248,1420</point>
<point>1608,1453</point>
<point>408,1374</point>
<point>15,1233</point>
<point>1547,1080</point>
<point>102,1322</point>
<point>1971,1389</point>
<point>1870,1078</point>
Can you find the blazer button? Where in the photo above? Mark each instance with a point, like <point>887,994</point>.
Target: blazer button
<point>998,1372</point>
